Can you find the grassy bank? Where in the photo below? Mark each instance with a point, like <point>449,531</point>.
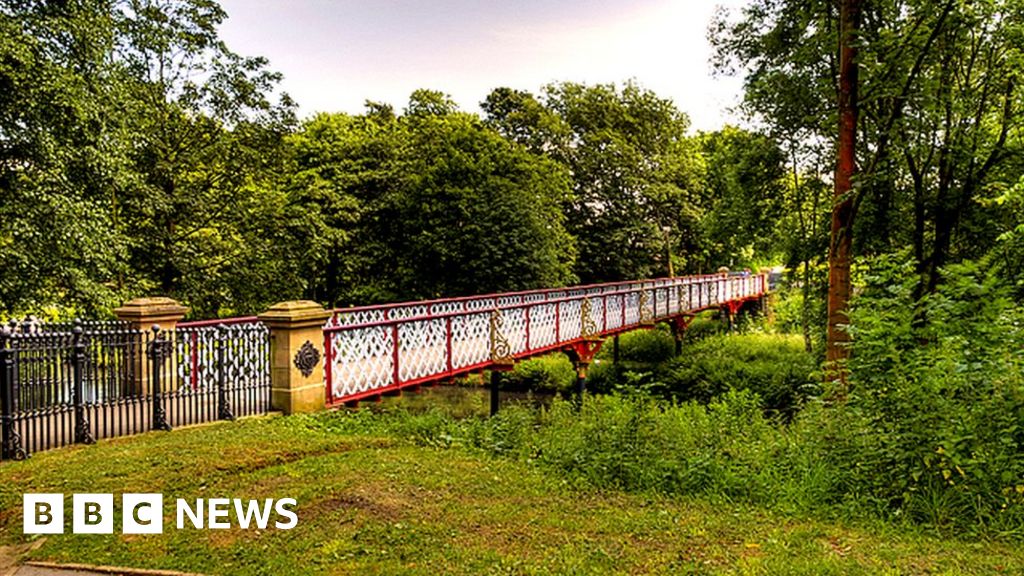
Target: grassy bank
<point>372,500</point>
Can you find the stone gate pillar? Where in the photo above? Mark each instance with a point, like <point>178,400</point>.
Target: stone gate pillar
<point>296,355</point>
<point>143,314</point>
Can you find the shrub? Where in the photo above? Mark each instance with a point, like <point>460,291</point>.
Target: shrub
<point>775,367</point>
<point>704,325</point>
<point>939,386</point>
<point>643,346</point>
<point>550,373</point>
<point>725,450</point>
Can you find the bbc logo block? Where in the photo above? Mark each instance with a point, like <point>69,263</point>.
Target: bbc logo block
<point>93,514</point>
<point>144,513</point>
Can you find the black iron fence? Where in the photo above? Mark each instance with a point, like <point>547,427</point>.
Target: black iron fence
<point>76,383</point>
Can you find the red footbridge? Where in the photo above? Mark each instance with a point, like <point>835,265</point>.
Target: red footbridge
<point>375,350</point>
<point>75,383</point>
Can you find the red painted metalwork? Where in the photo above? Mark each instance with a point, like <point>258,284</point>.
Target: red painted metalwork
<point>328,361</point>
<point>372,350</point>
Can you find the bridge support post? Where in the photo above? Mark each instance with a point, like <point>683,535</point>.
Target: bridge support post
<point>615,350</point>
<point>582,355</point>
<point>679,327</point>
<point>296,355</point>
<point>495,392</point>
<point>731,309</point>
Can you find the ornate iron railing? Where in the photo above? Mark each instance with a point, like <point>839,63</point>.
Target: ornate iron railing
<point>75,383</point>
<point>375,349</point>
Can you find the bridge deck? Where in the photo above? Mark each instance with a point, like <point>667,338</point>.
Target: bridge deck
<point>378,349</point>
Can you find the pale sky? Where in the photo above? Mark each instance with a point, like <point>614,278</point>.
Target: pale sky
<point>335,54</point>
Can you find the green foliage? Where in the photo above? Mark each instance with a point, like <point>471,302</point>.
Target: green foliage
<point>775,367</point>
<point>646,346</point>
<point>940,385</point>
<point>634,171</point>
<point>704,325</point>
<point>550,373</point>
<point>134,148</point>
<point>938,95</point>
<point>746,197</point>
<point>432,203</point>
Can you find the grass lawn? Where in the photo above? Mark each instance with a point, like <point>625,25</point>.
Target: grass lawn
<point>370,503</point>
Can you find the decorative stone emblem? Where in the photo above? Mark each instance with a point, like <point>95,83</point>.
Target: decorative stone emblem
<point>307,358</point>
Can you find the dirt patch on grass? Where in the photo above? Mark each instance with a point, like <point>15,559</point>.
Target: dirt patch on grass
<point>375,508</point>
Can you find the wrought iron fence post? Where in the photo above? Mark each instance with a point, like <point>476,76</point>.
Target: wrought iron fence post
<point>11,442</point>
<point>82,433</point>
<point>223,407</point>
<point>158,350</point>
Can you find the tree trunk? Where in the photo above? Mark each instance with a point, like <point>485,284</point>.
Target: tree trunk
<point>842,208</point>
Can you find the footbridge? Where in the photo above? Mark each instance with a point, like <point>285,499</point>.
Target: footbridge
<point>375,350</point>
<point>75,383</point>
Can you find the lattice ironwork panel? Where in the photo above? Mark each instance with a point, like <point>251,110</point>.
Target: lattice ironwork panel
<point>195,357</point>
<point>657,302</point>
<point>471,339</point>
<point>406,312</point>
<point>246,354</point>
<point>513,327</point>
<point>614,310</point>
<point>569,320</point>
<point>447,307</point>
<point>480,304</point>
<point>673,298</point>
<point>685,300</point>
<point>422,349</point>
<point>542,325</point>
<point>597,314</point>
<point>344,318</point>
<point>506,301</point>
<point>535,297</point>
<point>632,302</point>
<point>361,359</point>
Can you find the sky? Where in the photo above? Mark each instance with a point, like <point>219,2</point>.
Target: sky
<point>336,54</point>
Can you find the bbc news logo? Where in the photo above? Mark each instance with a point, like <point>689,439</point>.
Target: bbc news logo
<point>144,513</point>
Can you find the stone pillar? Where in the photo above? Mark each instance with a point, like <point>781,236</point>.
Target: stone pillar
<point>143,314</point>
<point>297,382</point>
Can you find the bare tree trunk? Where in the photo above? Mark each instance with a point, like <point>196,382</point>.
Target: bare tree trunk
<point>841,244</point>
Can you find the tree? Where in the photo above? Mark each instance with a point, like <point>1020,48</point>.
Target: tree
<point>840,246</point>
<point>208,140</point>
<point>339,167</point>
<point>134,149</point>
<point>62,156</point>
<point>746,197</point>
<point>480,214</point>
<point>937,99</point>
<point>634,172</point>
<point>427,204</point>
